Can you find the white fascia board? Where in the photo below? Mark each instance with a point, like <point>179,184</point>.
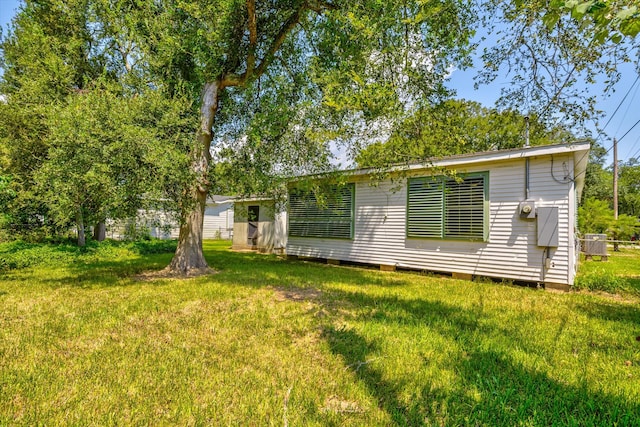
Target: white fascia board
<point>581,158</point>
<point>254,200</point>
<point>490,157</point>
<point>219,200</point>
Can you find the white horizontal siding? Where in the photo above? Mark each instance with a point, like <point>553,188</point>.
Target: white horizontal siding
<point>217,224</point>
<point>511,251</point>
<point>218,221</point>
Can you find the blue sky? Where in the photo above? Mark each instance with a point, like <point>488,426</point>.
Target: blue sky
<point>621,122</point>
<point>625,98</point>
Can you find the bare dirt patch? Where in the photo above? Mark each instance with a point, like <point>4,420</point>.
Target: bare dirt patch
<point>169,274</point>
<point>340,406</point>
<point>297,294</point>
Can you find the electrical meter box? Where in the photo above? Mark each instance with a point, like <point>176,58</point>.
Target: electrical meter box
<point>547,226</point>
<point>527,209</point>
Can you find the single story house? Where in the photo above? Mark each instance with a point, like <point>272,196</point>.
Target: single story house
<point>508,214</point>
<point>218,218</point>
<point>259,224</point>
<point>217,222</point>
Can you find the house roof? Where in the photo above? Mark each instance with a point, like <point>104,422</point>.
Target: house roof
<point>219,199</point>
<point>253,199</point>
<point>580,149</point>
<point>492,156</point>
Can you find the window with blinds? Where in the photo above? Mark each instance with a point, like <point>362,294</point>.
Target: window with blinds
<point>446,208</point>
<point>333,219</point>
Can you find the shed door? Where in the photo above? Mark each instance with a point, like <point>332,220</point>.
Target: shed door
<point>252,231</point>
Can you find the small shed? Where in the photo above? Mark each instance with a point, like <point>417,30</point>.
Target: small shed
<point>507,214</point>
<point>259,224</point>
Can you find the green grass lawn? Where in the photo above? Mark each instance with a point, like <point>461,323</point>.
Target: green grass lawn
<point>267,341</point>
<point>619,274</point>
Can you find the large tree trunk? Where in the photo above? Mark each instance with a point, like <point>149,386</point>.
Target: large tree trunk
<point>100,231</point>
<point>80,226</point>
<point>189,257</point>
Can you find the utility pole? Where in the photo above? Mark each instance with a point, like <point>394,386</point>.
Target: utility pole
<point>615,179</point>
<point>615,191</point>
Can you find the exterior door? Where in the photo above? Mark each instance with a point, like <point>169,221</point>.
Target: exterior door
<point>252,230</point>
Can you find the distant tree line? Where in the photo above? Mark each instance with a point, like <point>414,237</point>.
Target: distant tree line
<point>596,213</point>
<point>109,106</point>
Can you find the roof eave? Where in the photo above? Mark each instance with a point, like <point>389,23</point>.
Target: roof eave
<point>487,157</point>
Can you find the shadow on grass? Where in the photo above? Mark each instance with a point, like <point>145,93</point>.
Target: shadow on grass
<point>87,268</point>
<point>110,273</point>
<point>628,313</point>
<point>90,267</point>
<point>244,269</point>
<point>19,246</point>
<point>491,389</point>
<point>633,283</point>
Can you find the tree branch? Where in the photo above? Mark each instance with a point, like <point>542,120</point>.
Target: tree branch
<point>253,37</point>
<point>320,6</point>
<point>279,39</point>
<point>125,52</point>
<point>232,79</point>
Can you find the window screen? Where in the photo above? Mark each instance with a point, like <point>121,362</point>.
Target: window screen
<point>334,218</point>
<point>443,207</point>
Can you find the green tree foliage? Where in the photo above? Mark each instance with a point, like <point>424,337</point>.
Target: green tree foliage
<point>624,227</point>
<point>7,194</point>
<point>594,216</point>
<point>42,61</point>
<point>83,136</point>
<point>272,83</point>
<point>277,81</point>
<point>606,20</point>
<point>550,50</point>
<point>457,127</point>
<point>596,213</point>
<point>629,188</point>
<point>598,182</point>
<point>103,161</point>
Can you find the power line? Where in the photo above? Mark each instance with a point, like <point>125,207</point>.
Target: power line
<point>630,129</point>
<point>601,133</point>
<point>626,133</point>
<point>626,111</point>
<point>621,102</point>
<point>634,156</point>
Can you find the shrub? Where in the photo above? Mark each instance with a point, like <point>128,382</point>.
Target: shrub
<point>153,246</point>
<point>135,230</point>
<point>18,254</point>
